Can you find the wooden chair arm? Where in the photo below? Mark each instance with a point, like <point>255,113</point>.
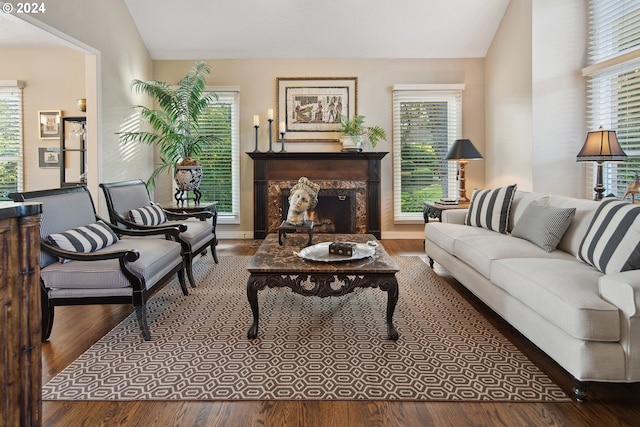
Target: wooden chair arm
<point>129,255</point>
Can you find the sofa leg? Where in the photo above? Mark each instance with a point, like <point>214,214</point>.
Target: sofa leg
<point>579,390</point>
<point>430,262</point>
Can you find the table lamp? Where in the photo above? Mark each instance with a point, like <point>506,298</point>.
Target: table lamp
<point>462,151</point>
<point>601,146</point>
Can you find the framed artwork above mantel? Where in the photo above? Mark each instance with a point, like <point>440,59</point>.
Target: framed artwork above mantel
<point>311,107</point>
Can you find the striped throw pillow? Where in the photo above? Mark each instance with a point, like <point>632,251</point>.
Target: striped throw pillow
<point>88,238</point>
<point>612,241</point>
<point>148,215</point>
<point>490,208</point>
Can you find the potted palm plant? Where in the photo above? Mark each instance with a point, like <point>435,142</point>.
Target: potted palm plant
<point>176,125</point>
<point>354,131</point>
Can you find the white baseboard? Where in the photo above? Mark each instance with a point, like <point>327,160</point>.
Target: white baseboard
<point>234,234</point>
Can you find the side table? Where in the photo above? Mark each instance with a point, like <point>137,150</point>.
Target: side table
<point>434,211</point>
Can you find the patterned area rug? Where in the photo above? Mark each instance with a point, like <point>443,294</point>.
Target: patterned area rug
<point>307,348</point>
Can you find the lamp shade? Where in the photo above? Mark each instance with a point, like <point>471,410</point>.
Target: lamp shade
<point>463,149</point>
<point>601,146</point>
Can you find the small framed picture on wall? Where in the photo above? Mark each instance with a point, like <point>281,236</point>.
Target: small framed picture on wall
<point>49,157</point>
<point>49,122</point>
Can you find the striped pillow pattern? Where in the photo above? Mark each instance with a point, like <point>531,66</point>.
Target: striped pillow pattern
<point>490,208</point>
<point>148,215</point>
<point>85,239</point>
<point>612,242</point>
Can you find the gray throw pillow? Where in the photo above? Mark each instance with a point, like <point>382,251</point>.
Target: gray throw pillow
<point>543,226</point>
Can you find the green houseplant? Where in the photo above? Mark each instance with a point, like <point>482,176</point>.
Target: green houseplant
<point>176,125</point>
<point>354,131</point>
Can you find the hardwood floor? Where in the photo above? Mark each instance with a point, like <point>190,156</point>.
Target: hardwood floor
<point>77,328</point>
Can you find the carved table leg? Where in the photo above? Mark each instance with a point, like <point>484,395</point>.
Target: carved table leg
<point>392,299</point>
<point>252,295</point>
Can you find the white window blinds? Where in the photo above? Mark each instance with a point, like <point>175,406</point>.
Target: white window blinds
<point>221,161</point>
<point>10,137</point>
<point>426,121</point>
<point>613,85</point>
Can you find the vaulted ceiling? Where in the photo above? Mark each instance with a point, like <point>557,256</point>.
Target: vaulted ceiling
<point>213,29</point>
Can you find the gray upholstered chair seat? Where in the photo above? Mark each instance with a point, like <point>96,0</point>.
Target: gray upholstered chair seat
<point>198,233</point>
<point>157,258</point>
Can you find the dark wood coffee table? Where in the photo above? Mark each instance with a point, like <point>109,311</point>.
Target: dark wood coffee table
<point>277,266</point>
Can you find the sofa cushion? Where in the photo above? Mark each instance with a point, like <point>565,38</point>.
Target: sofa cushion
<point>612,242</point>
<point>445,235</point>
<point>563,291</point>
<point>543,225</point>
<point>84,239</point>
<point>480,250</point>
<point>148,215</point>
<point>490,208</point>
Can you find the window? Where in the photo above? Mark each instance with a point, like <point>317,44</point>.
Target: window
<point>613,85</point>
<point>221,161</point>
<point>10,137</point>
<point>427,119</point>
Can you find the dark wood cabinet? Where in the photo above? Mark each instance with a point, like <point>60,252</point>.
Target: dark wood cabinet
<point>20,315</point>
<point>73,151</point>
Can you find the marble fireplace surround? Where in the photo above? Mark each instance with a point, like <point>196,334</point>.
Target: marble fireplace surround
<point>352,214</point>
<point>275,170</point>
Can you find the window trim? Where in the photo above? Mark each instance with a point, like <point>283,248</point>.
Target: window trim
<point>17,86</point>
<point>435,92</point>
<point>233,92</point>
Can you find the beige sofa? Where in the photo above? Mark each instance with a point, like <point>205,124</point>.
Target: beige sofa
<point>587,321</point>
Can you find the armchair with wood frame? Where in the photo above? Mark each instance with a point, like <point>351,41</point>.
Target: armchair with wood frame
<point>86,260</point>
<point>130,205</point>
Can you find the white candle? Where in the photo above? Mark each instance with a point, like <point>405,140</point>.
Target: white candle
<point>270,113</point>
<point>256,120</point>
<point>283,129</point>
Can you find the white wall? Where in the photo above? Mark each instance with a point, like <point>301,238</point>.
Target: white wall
<point>559,36</point>
<point>535,97</point>
<point>508,101</point>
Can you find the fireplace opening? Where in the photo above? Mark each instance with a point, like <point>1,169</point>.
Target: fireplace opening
<point>335,212</point>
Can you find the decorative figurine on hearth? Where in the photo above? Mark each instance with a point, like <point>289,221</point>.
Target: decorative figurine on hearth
<point>302,198</point>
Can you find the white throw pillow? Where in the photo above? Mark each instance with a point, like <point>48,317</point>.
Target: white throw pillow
<point>148,215</point>
<point>490,208</point>
<point>612,241</point>
<point>543,225</point>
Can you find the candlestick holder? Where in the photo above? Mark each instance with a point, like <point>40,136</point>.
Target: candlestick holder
<point>256,149</point>
<point>270,137</point>
<point>282,150</point>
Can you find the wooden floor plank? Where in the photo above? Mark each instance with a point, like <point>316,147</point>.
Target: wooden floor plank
<point>77,328</point>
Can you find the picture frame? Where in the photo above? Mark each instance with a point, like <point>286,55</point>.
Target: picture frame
<point>49,157</point>
<point>49,124</point>
<point>310,107</point>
